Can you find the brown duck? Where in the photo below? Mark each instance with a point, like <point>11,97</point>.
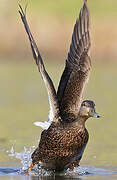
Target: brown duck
<point>62,145</point>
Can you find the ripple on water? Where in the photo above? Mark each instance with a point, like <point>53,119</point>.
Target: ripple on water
<point>8,171</point>
<point>78,172</point>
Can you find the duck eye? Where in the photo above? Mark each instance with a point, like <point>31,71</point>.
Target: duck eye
<point>84,104</point>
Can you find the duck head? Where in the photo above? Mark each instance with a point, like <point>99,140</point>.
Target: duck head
<point>87,110</point>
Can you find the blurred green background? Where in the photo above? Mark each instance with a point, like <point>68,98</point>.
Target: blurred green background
<point>52,25</point>
<point>23,98</point>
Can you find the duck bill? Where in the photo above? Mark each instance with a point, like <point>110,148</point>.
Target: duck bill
<point>96,115</point>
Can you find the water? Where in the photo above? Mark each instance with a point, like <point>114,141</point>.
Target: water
<point>23,101</point>
<point>78,173</point>
<point>37,173</point>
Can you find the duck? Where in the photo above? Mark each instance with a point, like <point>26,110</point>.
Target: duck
<point>63,141</point>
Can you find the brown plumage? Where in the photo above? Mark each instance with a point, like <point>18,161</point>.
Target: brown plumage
<point>62,145</point>
<point>77,68</point>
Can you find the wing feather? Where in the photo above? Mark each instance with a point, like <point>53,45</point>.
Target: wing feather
<point>77,68</point>
<point>54,107</point>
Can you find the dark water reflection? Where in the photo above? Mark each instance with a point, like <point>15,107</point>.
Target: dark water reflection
<point>51,178</point>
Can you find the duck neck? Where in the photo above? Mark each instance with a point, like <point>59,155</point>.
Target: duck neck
<point>81,121</point>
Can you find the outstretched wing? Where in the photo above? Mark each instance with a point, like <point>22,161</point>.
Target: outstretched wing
<point>54,107</point>
<point>77,68</point>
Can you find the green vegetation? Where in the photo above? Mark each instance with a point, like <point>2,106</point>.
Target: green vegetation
<point>66,8</point>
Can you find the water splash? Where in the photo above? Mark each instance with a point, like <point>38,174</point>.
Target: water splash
<point>24,156</point>
<point>77,171</point>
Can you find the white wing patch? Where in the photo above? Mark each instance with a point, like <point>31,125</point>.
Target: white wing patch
<point>44,125</point>
<point>51,114</point>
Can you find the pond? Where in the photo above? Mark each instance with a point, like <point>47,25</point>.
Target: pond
<point>23,100</point>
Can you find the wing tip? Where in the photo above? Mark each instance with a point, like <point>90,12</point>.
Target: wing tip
<point>85,1</point>
<point>21,10</point>
<point>86,15</point>
<point>85,7</point>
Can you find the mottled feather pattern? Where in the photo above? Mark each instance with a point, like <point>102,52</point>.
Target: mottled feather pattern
<point>63,144</point>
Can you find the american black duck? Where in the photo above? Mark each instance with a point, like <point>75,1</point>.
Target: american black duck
<point>62,144</point>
